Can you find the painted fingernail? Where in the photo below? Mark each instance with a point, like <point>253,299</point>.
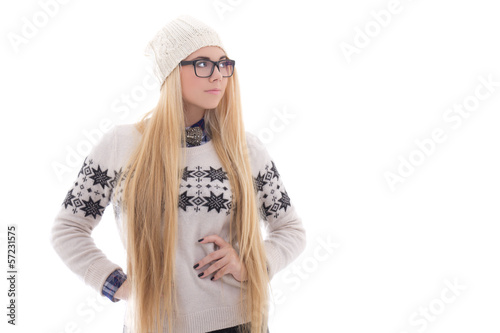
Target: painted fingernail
<point>200,274</point>
<point>199,240</point>
<point>212,278</point>
<point>196,265</point>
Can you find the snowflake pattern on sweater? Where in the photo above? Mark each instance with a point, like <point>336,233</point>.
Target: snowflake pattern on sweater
<point>197,201</point>
<point>96,184</point>
<point>91,185</point>
<point>276,204</point>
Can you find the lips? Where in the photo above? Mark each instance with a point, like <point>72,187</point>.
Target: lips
<point>213,92</point>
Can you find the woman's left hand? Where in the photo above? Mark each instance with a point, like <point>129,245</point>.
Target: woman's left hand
<point>226,260</point>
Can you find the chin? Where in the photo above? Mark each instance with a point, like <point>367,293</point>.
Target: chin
<point>211,105</point>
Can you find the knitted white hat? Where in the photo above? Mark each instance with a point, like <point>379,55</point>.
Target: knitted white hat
<point>177,40</point>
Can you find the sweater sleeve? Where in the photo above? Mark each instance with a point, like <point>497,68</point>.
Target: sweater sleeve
<point>286,238</point>
<point>82,210</point>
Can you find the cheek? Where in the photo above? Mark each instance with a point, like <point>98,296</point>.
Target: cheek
<point>224,87</point>
<point>190,86</point>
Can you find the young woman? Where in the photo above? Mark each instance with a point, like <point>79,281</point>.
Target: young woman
<point>189,188</point>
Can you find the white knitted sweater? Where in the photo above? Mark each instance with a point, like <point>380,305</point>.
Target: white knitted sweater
<point>204,197</point>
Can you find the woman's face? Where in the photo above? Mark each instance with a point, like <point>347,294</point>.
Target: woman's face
<point>194,88</point>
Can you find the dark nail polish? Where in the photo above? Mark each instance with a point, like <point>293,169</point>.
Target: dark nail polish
<point>196,265</point>
<point>212,278</point>
<point>200,274</point>
<point>199,240</point>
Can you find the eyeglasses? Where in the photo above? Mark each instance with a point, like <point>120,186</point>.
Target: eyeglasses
<point>205,68</point>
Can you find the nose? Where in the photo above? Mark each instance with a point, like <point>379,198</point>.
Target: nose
<point>216,74</point>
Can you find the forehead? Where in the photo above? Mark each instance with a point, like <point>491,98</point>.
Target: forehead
<point>212,52</point>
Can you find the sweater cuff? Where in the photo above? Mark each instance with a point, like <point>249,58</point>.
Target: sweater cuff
<point>113,282</point>
<point>98,272</point>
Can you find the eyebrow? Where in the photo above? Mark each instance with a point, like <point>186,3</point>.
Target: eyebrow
<point>209,58</point>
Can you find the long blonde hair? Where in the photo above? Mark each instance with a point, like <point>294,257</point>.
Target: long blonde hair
<point>151,194</point>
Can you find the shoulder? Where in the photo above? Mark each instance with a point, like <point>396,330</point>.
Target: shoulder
<point>254,144</point>
<point>117,135</point>
<point>126,130</point>
<point>103,143</point>
<point>257,151</point>
<point>127,137</point>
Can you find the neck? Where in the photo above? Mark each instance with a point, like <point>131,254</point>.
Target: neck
<point>193,116</point>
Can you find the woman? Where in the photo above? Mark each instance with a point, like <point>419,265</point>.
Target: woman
<point>189,187</point>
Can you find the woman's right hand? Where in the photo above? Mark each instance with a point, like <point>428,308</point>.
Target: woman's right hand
<point>124,291</point>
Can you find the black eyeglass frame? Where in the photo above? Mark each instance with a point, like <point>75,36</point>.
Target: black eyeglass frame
<point>216,63</point>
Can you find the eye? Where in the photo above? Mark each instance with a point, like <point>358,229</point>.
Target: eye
<point>201,64</point>
<point>225,63</point>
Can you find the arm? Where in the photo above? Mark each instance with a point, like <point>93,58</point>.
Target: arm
<point>82,210</point>
<point>286,234</point>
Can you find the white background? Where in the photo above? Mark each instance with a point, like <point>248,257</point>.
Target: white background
<point>355,118</point>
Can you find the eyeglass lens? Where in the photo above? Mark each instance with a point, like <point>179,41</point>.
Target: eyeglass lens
<point>204,68</point>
